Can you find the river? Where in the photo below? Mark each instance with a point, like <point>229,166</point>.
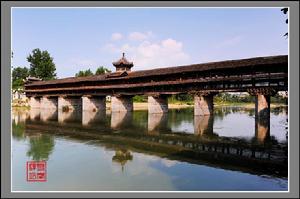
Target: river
<point>177,151</point>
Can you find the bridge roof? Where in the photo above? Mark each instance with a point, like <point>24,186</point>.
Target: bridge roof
<point>255,62</point>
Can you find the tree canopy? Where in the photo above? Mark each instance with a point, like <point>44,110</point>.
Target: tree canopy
<point>102,70</point>
<point>41,65</point>
<point>18,75</point>
<point>84,73</point>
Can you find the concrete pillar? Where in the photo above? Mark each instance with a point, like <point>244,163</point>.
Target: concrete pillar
<point>262,106</point>
<point>70,103</point>
<point>121,104</point>
<point>48,102</point>
<point>93,103</point>
<point>203,125</point>
<point>157,104</point>
<point>34,102</point>
<point>203,105</point>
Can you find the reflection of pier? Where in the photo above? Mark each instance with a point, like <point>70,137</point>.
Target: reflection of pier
<point>91,117</point>
<point>69,116</point>
<point>262,130</point>
<point>156,121</point>
<point>203,125</point>
<point>49,114</point>
<point>119,119</point>
<point>34,114</point>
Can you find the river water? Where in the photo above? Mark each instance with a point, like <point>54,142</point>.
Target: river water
<point>103,151</point>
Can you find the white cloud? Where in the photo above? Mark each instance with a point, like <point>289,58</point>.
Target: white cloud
<point>149,55</point>
<point>138,36</point>
<point>116,36</point>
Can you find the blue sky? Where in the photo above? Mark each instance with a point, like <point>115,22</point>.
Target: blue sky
<point>82,38</point>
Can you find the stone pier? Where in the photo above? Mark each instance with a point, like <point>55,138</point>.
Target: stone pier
<point>157,104</point>
<point>121,104</point>
<point>93,103</point>
<point>69,103</point>
<point>48,102</point>
<point>203,104</point>
<point>262,106</point>
<point>262,102</point>
<point>34,102</point>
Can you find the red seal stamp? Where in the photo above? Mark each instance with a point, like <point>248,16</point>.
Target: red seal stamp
<point>36,171</point>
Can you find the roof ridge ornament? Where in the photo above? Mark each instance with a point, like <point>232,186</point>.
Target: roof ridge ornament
<point>123,64</point>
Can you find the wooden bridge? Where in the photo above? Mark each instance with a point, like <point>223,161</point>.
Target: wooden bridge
<point>260,76</point>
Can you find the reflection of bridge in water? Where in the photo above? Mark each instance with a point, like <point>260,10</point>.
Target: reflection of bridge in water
<point>261,153</point>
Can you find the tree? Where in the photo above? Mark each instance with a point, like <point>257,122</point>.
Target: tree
<point>84,73</point>
<point>41,65</point>
<point>285,10</point>
<point>102,70</point>
<point>18,75</point>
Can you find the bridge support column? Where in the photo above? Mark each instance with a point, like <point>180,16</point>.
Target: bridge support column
<point>203,104</point>
<point>121,104</point>
<point>262,106</point>
<point>262,111</point>
<point>49,102</point>
<point>69,103</point>
<point>262,101</point>
<point>157,104</point>
<point>93,103</point>
<point>34,102</point>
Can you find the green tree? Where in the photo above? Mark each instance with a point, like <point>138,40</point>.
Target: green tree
<point>40,147</point>
<point>41,65</point>
<point>18,75</point>
<point>84,73</point>
<point>102,70</point>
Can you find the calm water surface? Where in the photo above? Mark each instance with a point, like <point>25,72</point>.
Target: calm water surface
<point>89,151</point>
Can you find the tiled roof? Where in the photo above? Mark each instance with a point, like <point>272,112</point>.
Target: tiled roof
<point>211,66</point>
<point>123,62</point>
